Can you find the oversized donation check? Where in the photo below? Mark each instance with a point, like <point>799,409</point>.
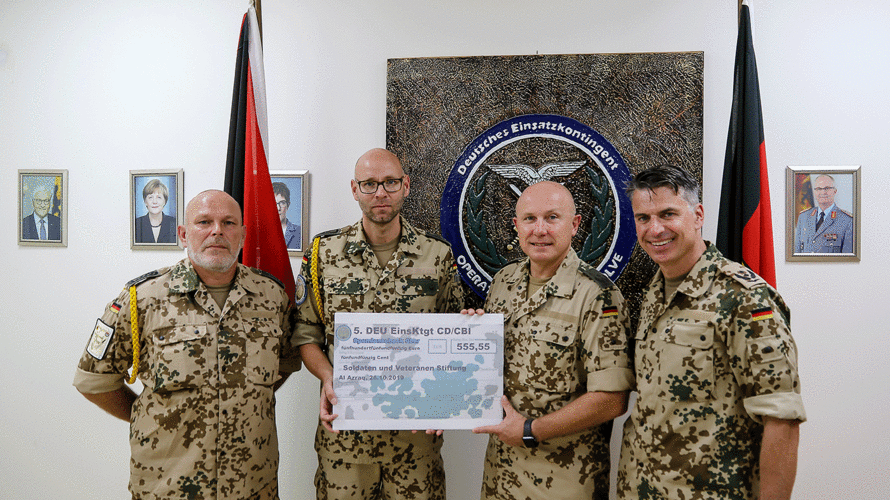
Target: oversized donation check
<point>417,371</point>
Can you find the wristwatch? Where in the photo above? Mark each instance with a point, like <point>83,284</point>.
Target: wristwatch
<point>528,439</point>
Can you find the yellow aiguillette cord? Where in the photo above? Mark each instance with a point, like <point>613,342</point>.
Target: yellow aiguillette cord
<point>134,326</point>
<point>314,271</point>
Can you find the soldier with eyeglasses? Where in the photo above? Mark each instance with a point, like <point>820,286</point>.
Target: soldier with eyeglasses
<point>379,264</point>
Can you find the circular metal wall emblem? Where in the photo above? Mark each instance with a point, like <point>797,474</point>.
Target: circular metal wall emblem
<point>480,196</point>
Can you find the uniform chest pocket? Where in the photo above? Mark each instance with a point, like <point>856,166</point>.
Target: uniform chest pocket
<point>552,356</point>
<point>417,285</point>
<point>346,285</point>
<point>686,362</point>
<point>263,349</point>
<point>180,362</point>
<point>415,293</point>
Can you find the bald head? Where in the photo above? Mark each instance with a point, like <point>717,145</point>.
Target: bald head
<point>212,198</point>
<point>545,223</point>
<point>213,235</point>
<point>380,187</point>
<point>375,160</point>
<point>549,192</point>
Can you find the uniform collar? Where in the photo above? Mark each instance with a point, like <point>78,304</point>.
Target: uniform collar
<point>828,210</point>
<point>184,279</point>
<point>698,280</point>
<point>357,242</point>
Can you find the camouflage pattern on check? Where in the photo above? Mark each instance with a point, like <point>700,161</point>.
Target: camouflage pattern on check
<point>708,367</point>
<point>568,339</point>
<point>204,426</point>
<point>419,278</point>
<point>423,478</point>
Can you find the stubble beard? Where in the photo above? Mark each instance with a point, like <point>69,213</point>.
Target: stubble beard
<point>218,264</point>
<point>386,218</point>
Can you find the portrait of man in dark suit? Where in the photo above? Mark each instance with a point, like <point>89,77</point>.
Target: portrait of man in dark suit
<point>42,225</point>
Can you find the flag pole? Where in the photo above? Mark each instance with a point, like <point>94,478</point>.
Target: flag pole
<point>259,15</point>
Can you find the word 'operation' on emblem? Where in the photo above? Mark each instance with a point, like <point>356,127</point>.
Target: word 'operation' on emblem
<point>486,180</point>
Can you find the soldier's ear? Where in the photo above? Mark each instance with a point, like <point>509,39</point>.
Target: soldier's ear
<point>576,223</point>
<point>354,186</point>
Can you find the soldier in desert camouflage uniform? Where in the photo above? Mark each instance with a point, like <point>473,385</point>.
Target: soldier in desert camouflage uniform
<point>566,367</point>
<point>380,264</point>
<point>213,337</point>
<point>716,367</point>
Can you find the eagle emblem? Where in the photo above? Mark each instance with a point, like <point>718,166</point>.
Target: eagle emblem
<point>531,176</point>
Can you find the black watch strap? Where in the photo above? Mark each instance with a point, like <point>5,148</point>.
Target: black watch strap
<point>528,439</point>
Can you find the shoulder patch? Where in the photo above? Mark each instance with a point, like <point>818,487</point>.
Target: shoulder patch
<point>805,211</point>
<point>99,340</point>
<point>300,290</point>
<point>327,234</point>
<point>436,237</point>
<point>597,277</point>
<point>145,277</point>
<point>267,275</point>
<point>845,212</point>
<point>740,273</point>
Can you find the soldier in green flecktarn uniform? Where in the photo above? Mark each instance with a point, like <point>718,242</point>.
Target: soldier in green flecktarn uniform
<point>719,403</point>
<point>380,264</point>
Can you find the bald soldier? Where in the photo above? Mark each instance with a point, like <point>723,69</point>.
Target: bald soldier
<point>379,264</point>
<point>212,337</point>
<point>566,368</point>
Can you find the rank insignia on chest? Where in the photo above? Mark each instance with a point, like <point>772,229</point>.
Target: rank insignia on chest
<point>761,314</point>
<point>99,340</point>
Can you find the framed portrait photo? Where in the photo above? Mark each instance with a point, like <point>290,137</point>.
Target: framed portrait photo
<point>291,190</point>
<point>156,209</point>
<point>823,213</point>
<point>43,208</point>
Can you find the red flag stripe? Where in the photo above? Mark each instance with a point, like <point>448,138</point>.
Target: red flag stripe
<point>264,245</point>
<point>757,241</point>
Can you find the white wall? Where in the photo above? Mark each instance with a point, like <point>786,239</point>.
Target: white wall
<point>103,87</point>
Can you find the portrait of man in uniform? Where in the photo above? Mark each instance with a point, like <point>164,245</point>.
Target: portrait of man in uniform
<point>824,206</point>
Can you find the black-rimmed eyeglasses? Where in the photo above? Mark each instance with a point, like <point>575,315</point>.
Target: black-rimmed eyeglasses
<point>389,185</point>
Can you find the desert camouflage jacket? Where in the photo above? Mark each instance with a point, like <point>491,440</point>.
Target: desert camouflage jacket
<point>708,366</point>
<point>568,339</point>
<point>204,425</point>
<point>419,278</point>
